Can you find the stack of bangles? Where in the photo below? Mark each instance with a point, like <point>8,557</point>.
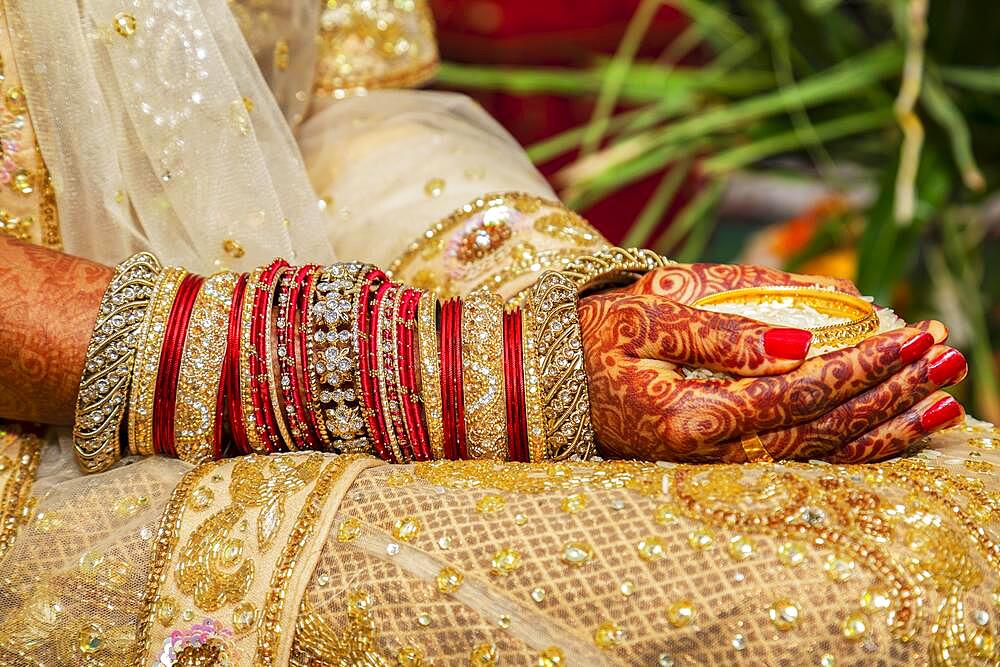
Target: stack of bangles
<point>333,358</point>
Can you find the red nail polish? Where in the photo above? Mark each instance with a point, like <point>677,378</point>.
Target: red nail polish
<point>943,412</point>
<point>947,368</point>
<point>786,343</point>
<point>915,348</point>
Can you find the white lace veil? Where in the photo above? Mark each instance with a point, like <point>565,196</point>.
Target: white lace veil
<point>160,132</point>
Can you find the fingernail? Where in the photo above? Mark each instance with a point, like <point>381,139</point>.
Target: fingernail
<point>947,368</point>
<point>943,412</point>
<point>914,348</point>
<point>787,343</point>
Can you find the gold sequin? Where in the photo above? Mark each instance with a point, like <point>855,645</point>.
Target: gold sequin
<point>434,187</point>
<point>15,100</point>
<point>701,538</point>
<point>125,24</point>
<point>410,656</point>
<point>233,248</point>
<point>740,548</point>
<point>349,529</point>
<point>406,529</point>
<point>484,655</point>
<point>792,553</point>
<point>652,548</point>
<point>551,657</point>
<point>505,562</point>
<point>490,503</point>
<point>449,580</point>
<point>680,613</point>
<point>608,635</point>
<point>244,617</point>
<point>784,614</point>
<point>577,554</point>
<point>855,626</point>
<point>574,502</point>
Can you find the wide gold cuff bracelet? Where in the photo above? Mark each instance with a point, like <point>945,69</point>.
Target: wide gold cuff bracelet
<point>859,318</point>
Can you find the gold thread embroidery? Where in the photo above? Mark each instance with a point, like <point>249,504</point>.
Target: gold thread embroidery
<point>17,475</point>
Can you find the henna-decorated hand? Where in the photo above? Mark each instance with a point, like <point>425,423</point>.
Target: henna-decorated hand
<point>858,404</point>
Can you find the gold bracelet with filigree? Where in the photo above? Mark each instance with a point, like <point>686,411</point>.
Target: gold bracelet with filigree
<point>107,371</point>
<point>483,376</point>
<point>534,407</point>
<point>611,267</point>
<point>552,306</point>
<point>386,361</point>
<point>201,369</point>
<point>430,372</point>
<point>333,360</point>
<point>147,360</point>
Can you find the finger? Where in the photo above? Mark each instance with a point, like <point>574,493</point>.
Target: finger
<point>670,331</point>
<point>942,366</point>
<point>936,412</point>
<point>934,328</point>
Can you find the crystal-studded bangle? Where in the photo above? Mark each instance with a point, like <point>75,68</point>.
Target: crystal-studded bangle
<point>165,392</point>
<point>107,372</point>
<point>289,313</point>
<point>482,376</point>
<point>385,371</point>
<point>430,372</point>
<point>201,370</point>
<point>147,361</point>
<point>513,368</point>
<point>270,424</point>
<point>609,267</point>
<point>556,326</point>
<point>332,378</point>
<point>534,406</point>
<point>247,410</point>
<point>409,382</point>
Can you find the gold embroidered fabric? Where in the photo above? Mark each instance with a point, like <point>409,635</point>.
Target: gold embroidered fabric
<point>359,562</point>
<point>499,241</point>
<point>364,44</point>
<point>27,199</point>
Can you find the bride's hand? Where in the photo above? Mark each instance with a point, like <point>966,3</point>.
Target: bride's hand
<point>863,403</point>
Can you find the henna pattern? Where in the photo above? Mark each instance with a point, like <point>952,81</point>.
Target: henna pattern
<point>643,407</point>
<point>894,436</point>
<point>47,310</point>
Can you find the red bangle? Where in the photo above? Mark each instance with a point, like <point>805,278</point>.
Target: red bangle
<point>260,364</point>
<point>513,368</point>
<point>170,363</point>
<point>452,394</point>
<point>292,288</point>
<point>229,384</point>
<point>371,285</point>
<point>409,386</point>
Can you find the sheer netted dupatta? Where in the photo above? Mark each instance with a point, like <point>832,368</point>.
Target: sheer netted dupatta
<point>161,133</point>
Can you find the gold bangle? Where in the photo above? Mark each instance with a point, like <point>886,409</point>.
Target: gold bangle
<point>201,369</point>
<point>862,319</point>
<point>559,341</point>
<point>147,361</point>
<point>107,372</point>
<point>333,360</point>
<point>754,449</point>
<point>483,376</point>
<point>254,441</point>
<point>534,407</point>
<point>611,266</point>
<point>430,372</point>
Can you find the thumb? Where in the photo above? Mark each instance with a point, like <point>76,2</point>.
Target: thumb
<point>731,344</point>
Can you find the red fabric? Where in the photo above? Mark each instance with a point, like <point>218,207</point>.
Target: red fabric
<point>165,397</point>
<point>562,33</point>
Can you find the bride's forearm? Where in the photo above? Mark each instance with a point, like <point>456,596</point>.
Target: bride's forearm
<point>48,305</point>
